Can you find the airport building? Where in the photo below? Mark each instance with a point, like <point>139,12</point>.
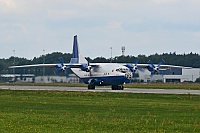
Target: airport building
<point>57,79</point>
<point>31,78</point>
<point>171,75</point>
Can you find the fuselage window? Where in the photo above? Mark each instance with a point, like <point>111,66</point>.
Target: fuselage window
<point>123,70</point>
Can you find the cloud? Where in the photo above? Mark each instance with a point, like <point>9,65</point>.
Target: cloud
<point>21,27</point>
<point>62,14</point>
<point>7,6</point>
<point>8,3</point>
<point>12,27</point>
<point>47,24</point>
<point>196,35</point>
<point>165,2</point>
<point>115,25</point>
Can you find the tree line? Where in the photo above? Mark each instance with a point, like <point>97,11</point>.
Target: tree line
<point>188,60</point>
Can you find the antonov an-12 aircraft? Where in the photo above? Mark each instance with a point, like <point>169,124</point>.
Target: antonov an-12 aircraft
<point>99,74</point>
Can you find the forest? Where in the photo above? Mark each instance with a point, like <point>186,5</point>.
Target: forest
<point>188,60</point>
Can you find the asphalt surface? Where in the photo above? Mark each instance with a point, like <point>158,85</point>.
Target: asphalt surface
<point>84,89</point>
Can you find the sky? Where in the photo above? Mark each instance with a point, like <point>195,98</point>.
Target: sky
<point>31,28</point>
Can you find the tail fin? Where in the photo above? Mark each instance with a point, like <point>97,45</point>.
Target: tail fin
<point>76,57</point>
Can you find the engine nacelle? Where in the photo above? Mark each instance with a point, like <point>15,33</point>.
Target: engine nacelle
<point>132,68</point>
<point>156,69</point>
<point>63,68</point>
<point>85,67</point>
<point>135,68</point>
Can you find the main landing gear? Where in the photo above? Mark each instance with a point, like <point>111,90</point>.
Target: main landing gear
<point>117,87</point>
<point>91,87</point>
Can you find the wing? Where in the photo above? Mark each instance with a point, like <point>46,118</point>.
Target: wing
<point>162,66</point>
<point>34,65</point>
<point>156,67</point>
<point>69,65</point>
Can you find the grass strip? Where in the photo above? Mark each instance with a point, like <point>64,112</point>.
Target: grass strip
<point>54,111</point>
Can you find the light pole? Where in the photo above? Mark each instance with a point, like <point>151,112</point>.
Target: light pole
<point>111,54</point>
<point>14,63</point>
<point>43,62</point>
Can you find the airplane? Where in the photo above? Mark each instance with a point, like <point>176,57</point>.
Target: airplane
<point>99,74</point>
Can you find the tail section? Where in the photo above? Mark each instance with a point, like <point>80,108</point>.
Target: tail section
<point>75,51</point>
<point>76,57</point>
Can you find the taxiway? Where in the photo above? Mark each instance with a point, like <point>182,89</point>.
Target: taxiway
<point>103,89</point>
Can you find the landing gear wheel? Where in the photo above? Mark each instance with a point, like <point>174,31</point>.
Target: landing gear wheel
<point>117,87</point>
<point>114,87</point>
<point>91,87</point>
<point>121,87</point>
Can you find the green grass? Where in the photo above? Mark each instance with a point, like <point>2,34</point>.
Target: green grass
<point>54,111</point>
<point>187,86</point>
<point>46,84</point>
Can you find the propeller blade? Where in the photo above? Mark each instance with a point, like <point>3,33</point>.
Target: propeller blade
<point>130,66</point>
<point>90,73</point>
<point>66,73</point>
<point>57,71</point>
<point>152,64</point>
<point>136,61</point>
<point>133,74</point>
<point>61,61</point>
<point>153,73</point>
<point>89,68</point>
<point>160,63</point>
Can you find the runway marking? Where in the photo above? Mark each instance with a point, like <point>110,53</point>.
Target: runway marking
<point>103,89</point>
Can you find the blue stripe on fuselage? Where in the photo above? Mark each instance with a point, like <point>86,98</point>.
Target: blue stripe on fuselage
<point>107,80</point>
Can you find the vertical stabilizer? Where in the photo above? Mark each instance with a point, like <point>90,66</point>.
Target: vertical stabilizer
<point>76,57</point>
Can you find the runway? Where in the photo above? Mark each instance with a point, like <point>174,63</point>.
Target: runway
<point>103,89</point>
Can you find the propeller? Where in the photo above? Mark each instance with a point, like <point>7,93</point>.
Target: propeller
<point>61,67</point>
<point>154,69</point>
<point>133,68</point>
<point>86,67</point>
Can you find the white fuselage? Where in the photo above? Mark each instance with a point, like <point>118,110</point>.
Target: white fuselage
<point>103,69</point>
<point>105,74</point>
